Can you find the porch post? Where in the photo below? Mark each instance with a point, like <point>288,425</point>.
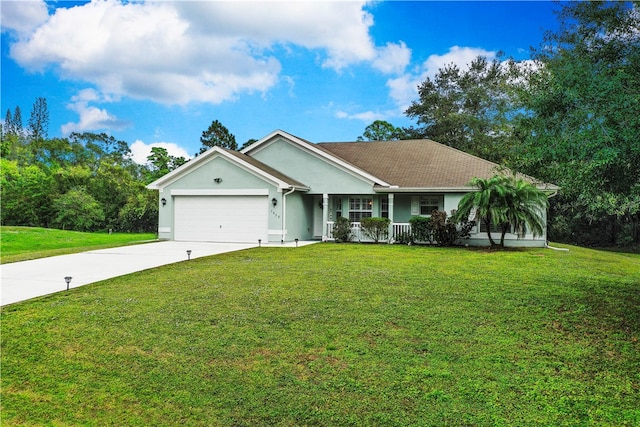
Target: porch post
<point>391,236</point>
<point>325,216</point>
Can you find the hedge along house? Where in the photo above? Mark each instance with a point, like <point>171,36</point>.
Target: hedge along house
<point>283,188</point>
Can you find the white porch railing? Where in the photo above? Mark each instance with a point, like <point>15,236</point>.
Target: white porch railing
<point>398,229</point>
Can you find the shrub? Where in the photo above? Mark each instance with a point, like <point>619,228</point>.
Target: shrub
<point>140,214</point>
<point>342,230</point>
<point>446,231</point>
<point>421,229</point>
<point>404,238</point>
<point>375,228</point>
<point>77,210</point>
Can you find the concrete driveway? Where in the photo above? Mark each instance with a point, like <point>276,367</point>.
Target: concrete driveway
<point>29,279</point>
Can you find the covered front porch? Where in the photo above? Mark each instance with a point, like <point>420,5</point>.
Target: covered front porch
<point>399,208</point>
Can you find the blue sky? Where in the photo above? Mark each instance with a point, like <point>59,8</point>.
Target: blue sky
<point>158,73</point>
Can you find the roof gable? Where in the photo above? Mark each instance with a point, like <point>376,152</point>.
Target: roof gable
<point>318,151</point>
<point>252,165</point>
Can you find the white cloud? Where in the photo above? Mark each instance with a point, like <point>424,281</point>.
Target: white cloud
<point>339,27</point>
<point>392,58</point>
<point>461,56</point>
<point>404,89</point>
<point>140,151</point>
<point>91,118</point>
<point>203,51</point>
<point>22,16</point>
<point>366,116</point>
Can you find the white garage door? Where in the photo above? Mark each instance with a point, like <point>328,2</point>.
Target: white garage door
<point>221,218</point>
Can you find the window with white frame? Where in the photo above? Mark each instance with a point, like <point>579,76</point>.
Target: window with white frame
<point>424,205</point>
<point>497,228</point>
<point>384,207</point>
<point>360,208</point>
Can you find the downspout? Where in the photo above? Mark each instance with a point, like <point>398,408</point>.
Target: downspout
<point>546,245</point>
<point>284,212</point>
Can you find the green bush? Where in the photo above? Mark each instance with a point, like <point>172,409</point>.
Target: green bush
<point>421,229</point>
<point>342,230</point>
<point>446,231</point>
<point>404,238</point>
<point>375,228</point>
<point>77,210</point>
<point>140,214</point>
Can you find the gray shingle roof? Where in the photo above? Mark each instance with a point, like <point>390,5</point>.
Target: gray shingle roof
<point>418,163</point>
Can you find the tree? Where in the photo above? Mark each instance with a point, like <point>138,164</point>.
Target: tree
<point>468,109</point>
<point>581,118</point>
<point>487,202</point>
<point>506,202</point>
<point>140,213</point>
<point>217,135</point>
<point>524,208</point>
<point>26,194</point>
<point>39,120</point>
<point>78,210</point>
<point>380,130</point>
<point>16,124</point>
<point>248,143</point>
<point>7,127</point>
<point>161,163</point>
<point>99,147</point>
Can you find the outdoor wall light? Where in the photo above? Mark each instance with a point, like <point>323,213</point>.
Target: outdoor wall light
<point>163,201</point>
<point>188,254</point>
<point>217,180</point>
<point>320,204</point>
<point>67,279</point>
<point>274,202</point>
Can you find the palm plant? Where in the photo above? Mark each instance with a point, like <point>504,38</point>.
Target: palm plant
<point>506,201</point>
<point>524,207</point>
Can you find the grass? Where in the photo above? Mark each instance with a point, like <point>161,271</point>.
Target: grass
<point>24,243</point>
<point>333,334</point>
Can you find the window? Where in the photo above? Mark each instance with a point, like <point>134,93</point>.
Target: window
<point>360,208</point>
<point>495,228</point>
<point>384,207</point>
<point>428,205</point>
<point>338,206</point>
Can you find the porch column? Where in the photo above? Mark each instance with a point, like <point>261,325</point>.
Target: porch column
<point>325,216</point>
<point>391,236</point>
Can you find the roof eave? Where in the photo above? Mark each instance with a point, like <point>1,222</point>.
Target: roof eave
<point>167,179</point>
<point>396,189</point>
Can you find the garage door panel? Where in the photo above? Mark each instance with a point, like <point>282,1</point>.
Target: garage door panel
<point>221,218</point>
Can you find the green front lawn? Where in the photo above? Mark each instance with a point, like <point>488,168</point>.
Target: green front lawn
<point>333,334</point>
<point>24,243</point>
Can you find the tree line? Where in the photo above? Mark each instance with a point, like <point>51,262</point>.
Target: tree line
<point>85,182</point>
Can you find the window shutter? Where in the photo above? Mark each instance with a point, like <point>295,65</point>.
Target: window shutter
<point>415,205</point>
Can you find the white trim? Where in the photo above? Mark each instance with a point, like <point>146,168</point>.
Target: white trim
<point>164,229</point>
<point>208,192</point>
<point>380,189</point>
<point>207,156</point>
<point>424,190</point>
